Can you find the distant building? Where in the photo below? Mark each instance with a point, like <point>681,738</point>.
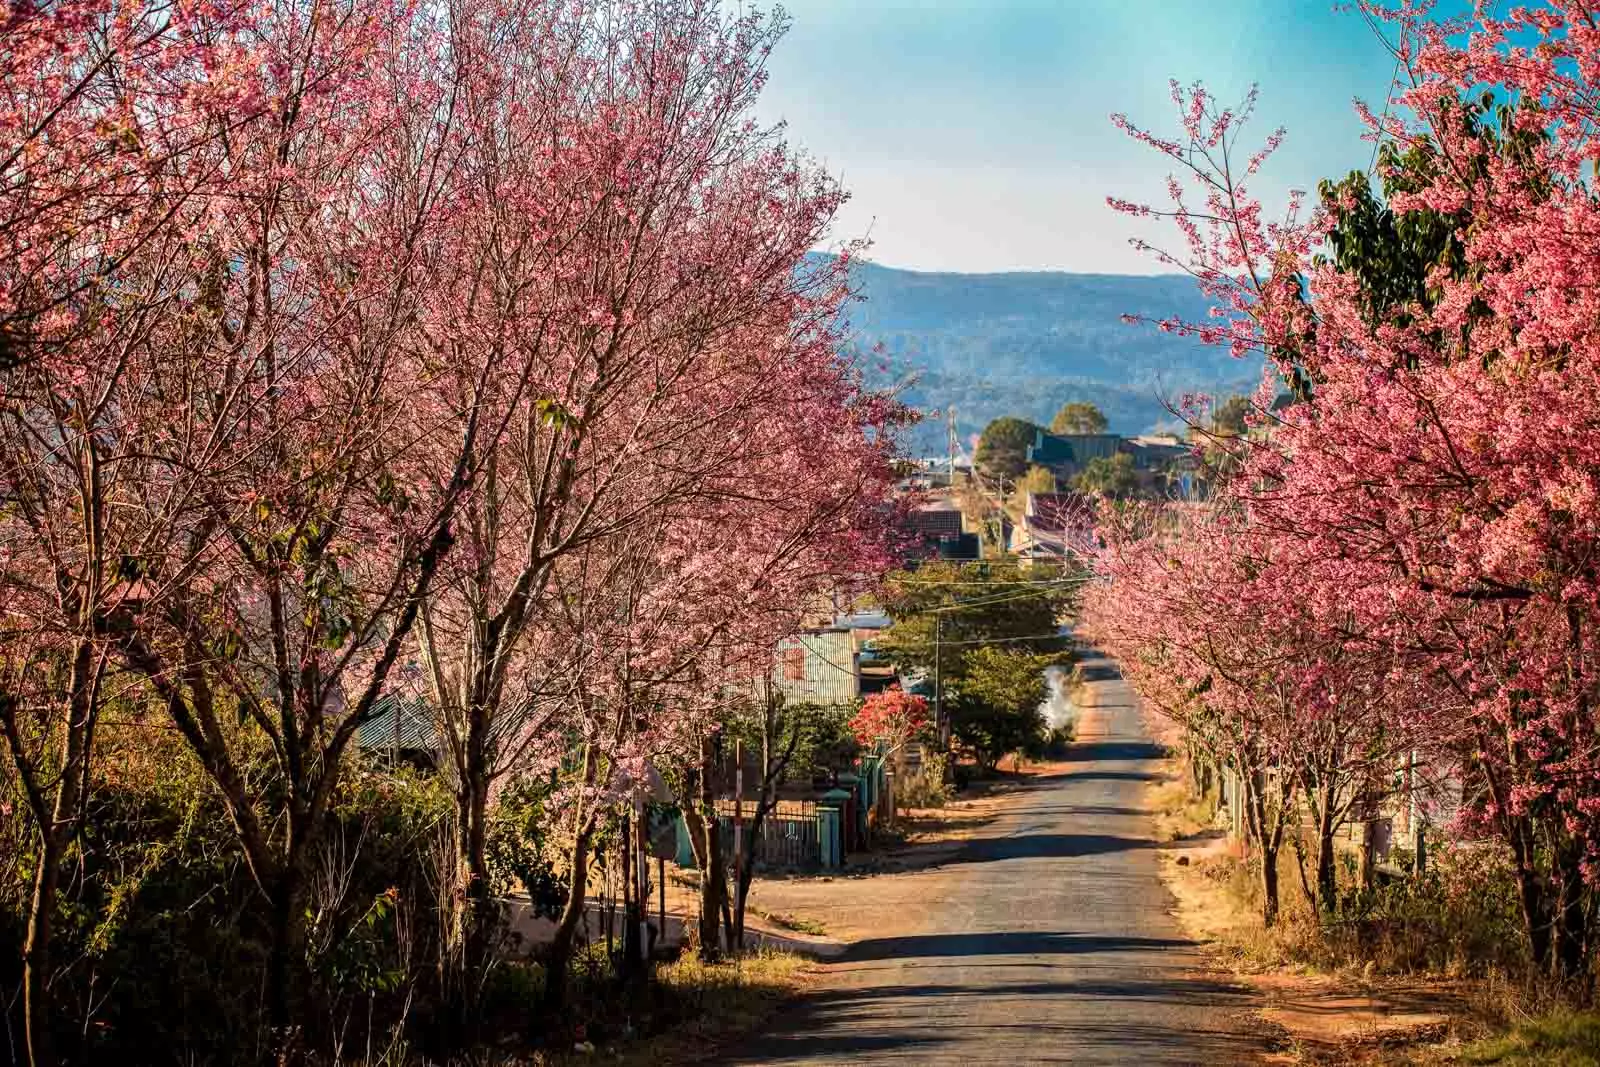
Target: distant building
<point>1162,460</point>
<point>818,667</point>
<point>939,532</point>
<point>1053,527</point>
<point>1066,454</point>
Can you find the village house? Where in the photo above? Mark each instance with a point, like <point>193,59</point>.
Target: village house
<point>1052,526</point>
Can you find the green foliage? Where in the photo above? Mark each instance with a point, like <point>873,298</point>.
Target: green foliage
<point>823,740</point>
<point>995,706</point>
<point>359,961</point>
<point>1462,915</point>
<point>1113,477</point>
<point>826,742</point>
<point>162,903</point>
<point>1392,254</point>
<point>1561,1039</point>
<point>1036,480</point>
<point>1079,416</point>
<point>1221,443</point>
<point>1227,419</point>
<point>1003,448</point>
<point>974,603</point>
<point>519,852</point>
<point>1399,258</point>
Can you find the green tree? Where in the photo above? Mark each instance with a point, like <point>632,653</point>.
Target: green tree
<point>1003,448</point>
<point>1113,477</point>
<point>970,605</point>
<point>1228,418</point>
<point>1221,443</point>
<point>1037,480</point>
<point>994,709</point>
<point>1079,416</point>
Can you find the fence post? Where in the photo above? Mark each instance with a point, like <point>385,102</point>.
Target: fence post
<point>685,856</point>
<point>828,827</point>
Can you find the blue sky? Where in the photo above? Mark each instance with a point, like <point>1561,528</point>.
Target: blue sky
<point>973,134</point>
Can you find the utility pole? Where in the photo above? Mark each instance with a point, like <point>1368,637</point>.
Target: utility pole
<point>738,811</point>
<point>954,443</point>
<point>938,685</point>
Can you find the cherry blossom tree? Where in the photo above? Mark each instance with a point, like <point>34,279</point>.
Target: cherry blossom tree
<point>113,117</point>
<point>256,374</point>
<point>1437,480</point>
<point>339,332</point>
<point>1211,631</point>
<point>679,346</point>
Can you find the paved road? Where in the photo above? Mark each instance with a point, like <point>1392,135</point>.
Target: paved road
<point>1048,940</point>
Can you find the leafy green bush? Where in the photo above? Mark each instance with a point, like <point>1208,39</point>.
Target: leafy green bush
<point>1461,916</point>
<point>519,851</point>
<point>162,902</point>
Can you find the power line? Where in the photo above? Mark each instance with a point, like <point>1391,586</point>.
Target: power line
<point>1003,640</point>
<point>1075,580</point>
<point>983,602</point>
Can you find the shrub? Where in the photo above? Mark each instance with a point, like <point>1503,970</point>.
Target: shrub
<point>1461,916</point>
<point>926,788</point>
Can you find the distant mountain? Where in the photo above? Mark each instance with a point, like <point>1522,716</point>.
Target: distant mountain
<point>1025,343</point>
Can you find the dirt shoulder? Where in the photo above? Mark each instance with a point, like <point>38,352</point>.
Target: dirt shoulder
<point>888,890</point>
<point>1328,1017</point>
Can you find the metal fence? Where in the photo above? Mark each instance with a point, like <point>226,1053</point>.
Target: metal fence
<point>789,832</point>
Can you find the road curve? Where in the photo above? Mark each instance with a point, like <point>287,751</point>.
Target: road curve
<point>1049,939</point>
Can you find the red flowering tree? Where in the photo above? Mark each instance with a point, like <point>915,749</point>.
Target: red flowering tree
<point>891,718</point>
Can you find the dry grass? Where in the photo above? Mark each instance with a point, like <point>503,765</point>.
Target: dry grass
<point>730,999</point>
<point>1332,1003</point>
<point>1560,1039</point>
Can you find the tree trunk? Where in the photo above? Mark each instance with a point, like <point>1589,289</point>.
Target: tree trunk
<point>1369,839</point>
<point>286,963</point>
<point>483,916</point>
<point>54,833</point>
<point>36,951</point>
<point>559,959</point>
<point>1269,885</point>
<point>1570,920</point>
<point>1327,873</point>
<point>633,947</point>
<point>745,869</point>
<point>700,815</point>
<point>1268,840</point>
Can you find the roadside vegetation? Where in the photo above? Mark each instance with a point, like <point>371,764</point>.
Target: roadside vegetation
<point>1375,634</point>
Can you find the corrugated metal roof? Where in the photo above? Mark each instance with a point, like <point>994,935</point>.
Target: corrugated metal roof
<point>410,720</point>
<point>418,731</point>
<point>818,667</point>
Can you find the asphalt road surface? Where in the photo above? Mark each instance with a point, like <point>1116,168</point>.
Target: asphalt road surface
<point>1050,939</point>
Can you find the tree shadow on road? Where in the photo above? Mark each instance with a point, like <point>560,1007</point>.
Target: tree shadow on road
<point>1003,943</point>
<point>1047,846</point>
<point>1114,752</point>
<point>1000,1019</point>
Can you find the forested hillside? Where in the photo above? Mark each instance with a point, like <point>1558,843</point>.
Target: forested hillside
<point>1023,343</point>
